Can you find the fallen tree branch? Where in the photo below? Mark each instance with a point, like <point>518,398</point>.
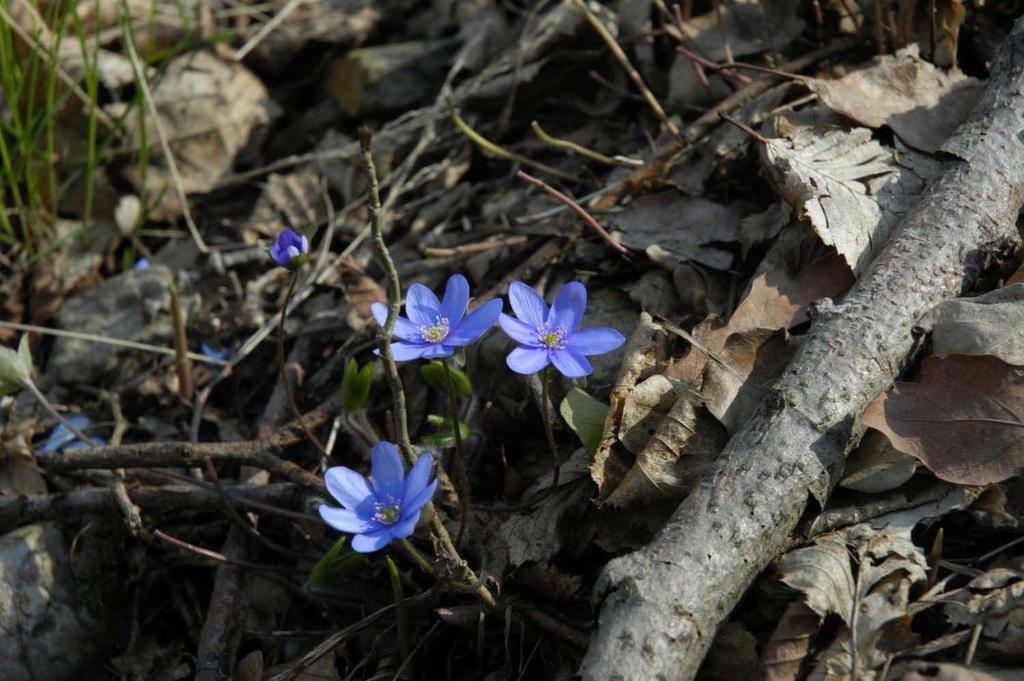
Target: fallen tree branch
<point>23,510</point>
<point>259,453</point>
<point>661,605</point>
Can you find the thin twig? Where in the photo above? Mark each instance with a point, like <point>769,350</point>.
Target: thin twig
<point>266,29</point>
<point>172,165</point>
<point>623,60</point>
<point>131,512</point>
<point>182,366</point>
<point>495,150</point>
<point>218,557</point>
<point>720,16</point>
<point>581,150</point>
<point>576,208</point>
<point>107,340</point>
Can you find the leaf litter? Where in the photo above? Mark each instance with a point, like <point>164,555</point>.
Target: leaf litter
<point>736,242</point>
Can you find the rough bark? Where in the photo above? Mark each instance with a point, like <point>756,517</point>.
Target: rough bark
<point>661,606</point>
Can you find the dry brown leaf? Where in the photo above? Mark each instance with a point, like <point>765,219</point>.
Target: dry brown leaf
<point>645,406</point>
<point>686,442</point>
<point>986,325</point>
<point>964,419</point>
<point>645,351</point>
<point>673,228</point>
<point>294,200</point>
<point>851,188</point>
<point>541,534</point>
<point>994,600</point>
<point>752,361</point>
<point>211,112</point>
<point>876,466</point>
<point>921,103</point>
<point>789,643</point>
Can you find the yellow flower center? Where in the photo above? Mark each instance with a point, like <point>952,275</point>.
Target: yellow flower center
<point>386,514</point>
<point>554,339</point>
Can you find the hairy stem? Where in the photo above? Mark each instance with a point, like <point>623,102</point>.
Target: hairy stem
<point>285,383</point>
<point>460,455</point>
<point>467,577</point>
<point>549,431</point>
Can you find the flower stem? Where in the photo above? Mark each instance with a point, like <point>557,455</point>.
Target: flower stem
<point>391,369</point>
<point>460,456</point>
<point>284,373</point>
<point>545,379</point>
<point>41,398</point>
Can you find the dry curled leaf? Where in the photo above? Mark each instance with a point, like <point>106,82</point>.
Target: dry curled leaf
<point>988,324</point>
<point>964,419</point>
<point>852,189</point>
<point>921,103</point>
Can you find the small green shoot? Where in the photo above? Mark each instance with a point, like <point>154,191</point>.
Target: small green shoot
<point>433,374</point>
<point>335,564</point>
<point>446,436</point>
<point>355,386</point>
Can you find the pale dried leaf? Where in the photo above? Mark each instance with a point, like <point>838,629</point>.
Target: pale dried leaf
<point>963,419</point>
<point>294,201</point>
<point>921,103</point>
<point>645,351</point>
<point>986,325</point>
<point>994,600</point>
<point>823,575</point>
<point>645,407</point>
<point>851,188</point>
<point>686,442</point>
<point>210,111</point>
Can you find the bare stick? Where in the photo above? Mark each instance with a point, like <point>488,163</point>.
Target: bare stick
<point>584,215</point>
<point>623,60</point>
<point>107,340</point>
<point>721,29</point>
<point>661,605</point>
<point>266,29</point>
<point>579,149</point>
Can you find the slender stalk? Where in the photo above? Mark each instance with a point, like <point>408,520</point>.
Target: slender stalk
<point>41,398</point>
<point>394,299</point>
<point>460,455</point>
<point>401,615</point>
<point>549,431</point>
<point>469,581</point>
<point>284,373</point>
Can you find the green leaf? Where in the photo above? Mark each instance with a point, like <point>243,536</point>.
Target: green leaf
<point>433,374</point>
<point>333,566</point>
<point>446,437</point>
<point>586,416</point>
<point>401,616</point>
<point>355,386</point>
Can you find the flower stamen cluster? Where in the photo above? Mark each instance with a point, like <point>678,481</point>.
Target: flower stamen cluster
<point>436,333</point>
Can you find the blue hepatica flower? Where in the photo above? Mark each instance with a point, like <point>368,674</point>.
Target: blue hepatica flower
<point>434,328</point>
<point>288,248</point>
<point>385,507</point>
<point>63,439</point>
<point>552,336</point>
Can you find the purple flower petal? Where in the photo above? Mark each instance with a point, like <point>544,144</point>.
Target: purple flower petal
<point>422,305</point>
<point>403,352</point>
<point>405,527</point>
<point>527,360</point>
<point>519,331</point>
<point>419,500</point>
<point>387,472</point>
<point>571,364</point>
<point>436,351</point>
<point>371,541</point>
<point>417,479</point>
<point>475,324</point>
<point>567,310</point>
<point>527,305</point>
<point>404,328</point>
<point>344,520</point>
<point>595,341</point>
<point>456,298</point>
<point>350,489</point>
<point>287,246</point>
